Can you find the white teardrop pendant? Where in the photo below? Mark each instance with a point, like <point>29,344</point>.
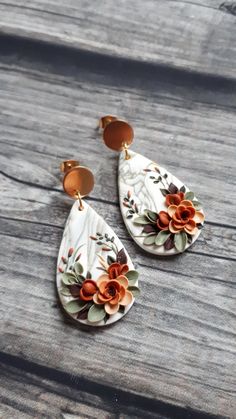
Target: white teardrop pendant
<point>96,280</point>
<point>160,212</point>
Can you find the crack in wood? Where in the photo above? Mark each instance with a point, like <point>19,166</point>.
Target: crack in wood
<point>229,7</point>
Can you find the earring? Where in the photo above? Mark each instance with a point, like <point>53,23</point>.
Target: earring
<point>96,280</point>
<point>161,214</point>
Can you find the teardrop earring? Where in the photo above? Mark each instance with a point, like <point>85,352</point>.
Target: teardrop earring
<point>88,247</point>
<point>161,214</point>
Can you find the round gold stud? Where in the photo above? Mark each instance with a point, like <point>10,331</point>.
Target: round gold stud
<point>78,182</point>
<point>68,164</point>
<point>118,135</point>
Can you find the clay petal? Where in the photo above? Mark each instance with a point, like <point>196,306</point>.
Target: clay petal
<point>199,217</point>
<point>114,301</point>
<point>181,195</point>
<point>127,299</point>
<point>192,211</point>
<point>96,299</point>
<point>102,286</point>
<point>85,297</point>
<point>123,281</point>
<point>161,227</point>
<point>192,232</point>
<point>163,218</point>
<point>173,228</point>
<point>187,203</point>
<point>178,220</point>
<point>102,298</point>
<point>102,278</point>
<point>190,227</point>
<point>111,309</point>
<point>124,269</point>
<point>171,210</point>
<point>122,292</point>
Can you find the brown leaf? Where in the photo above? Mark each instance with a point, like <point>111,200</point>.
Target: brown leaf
<point>169,244</point>
<point>149,228</point>
<point>121,257</point>
<point>173,188</point>
<point>74,290</point>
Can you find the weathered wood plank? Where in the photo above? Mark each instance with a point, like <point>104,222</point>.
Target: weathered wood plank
<point>52,113</point>
<point>30,395</point>
<point>178,342</point>
<point>197,36</point>
<point>158,332</point>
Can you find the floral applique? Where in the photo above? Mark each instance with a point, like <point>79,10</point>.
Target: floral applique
<point>175,226</point>
<point>96,299</point>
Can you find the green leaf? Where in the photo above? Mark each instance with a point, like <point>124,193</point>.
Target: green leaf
<point>75,306</point>
<point>96,313</point>
<point>142,219</point>
<point>164,192</point>
<point>162,237</point>
<point>80,279</point>
<point>197,205</point>
<point>189,196</point>
<point>149,240</point>
<point>180,241</point>
<point>122,309</point>
<point>151,215</point>
<point>132,277</point>
<point>65,291</point>
<point>68,278</point>
<point>110,259</point>
<point>135,291</point>
<point>78,268</point>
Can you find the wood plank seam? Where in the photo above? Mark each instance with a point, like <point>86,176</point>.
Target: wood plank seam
<point>104,391</point>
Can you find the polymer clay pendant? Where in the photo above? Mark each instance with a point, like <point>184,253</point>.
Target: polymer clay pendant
<point>161,214</point>
<point>96,280</point>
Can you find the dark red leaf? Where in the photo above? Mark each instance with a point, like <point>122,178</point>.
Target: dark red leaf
<point>121,257</point>
<point>173,188</point>
<point>149,228</point>
<point>74,290</point>
<point>169,244</point>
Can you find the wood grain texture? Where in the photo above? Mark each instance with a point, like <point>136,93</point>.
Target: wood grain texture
<point>191,35</point>
<point>177,345</point>
<point>27,395</point>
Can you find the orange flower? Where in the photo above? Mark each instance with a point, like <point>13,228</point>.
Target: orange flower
<point>116,269</point>
<point>88,289</point>
<point>184,217</point>
<point>163,220</point>
<point>112,293</point>
<point>174,199</point>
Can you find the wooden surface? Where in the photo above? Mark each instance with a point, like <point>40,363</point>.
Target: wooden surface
<point>169,68</point>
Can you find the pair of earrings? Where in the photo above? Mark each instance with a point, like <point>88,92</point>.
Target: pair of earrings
<point>96,280</point>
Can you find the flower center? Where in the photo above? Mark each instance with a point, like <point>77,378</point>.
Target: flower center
<point>111,291</point>
<point>185,214</point>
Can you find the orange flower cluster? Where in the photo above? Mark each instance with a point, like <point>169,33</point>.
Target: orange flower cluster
<point>110,289</point>
<point>180,215</point>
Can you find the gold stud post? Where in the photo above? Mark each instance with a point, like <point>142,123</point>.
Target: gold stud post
<point>127,155</point>
<point>68,164</point>
<point>78,181</point>
<point>78,196</point>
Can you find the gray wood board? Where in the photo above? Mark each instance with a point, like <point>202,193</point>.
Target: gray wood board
<point>177,345</point>
<point>30,395</point>
<point>196,36</point>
